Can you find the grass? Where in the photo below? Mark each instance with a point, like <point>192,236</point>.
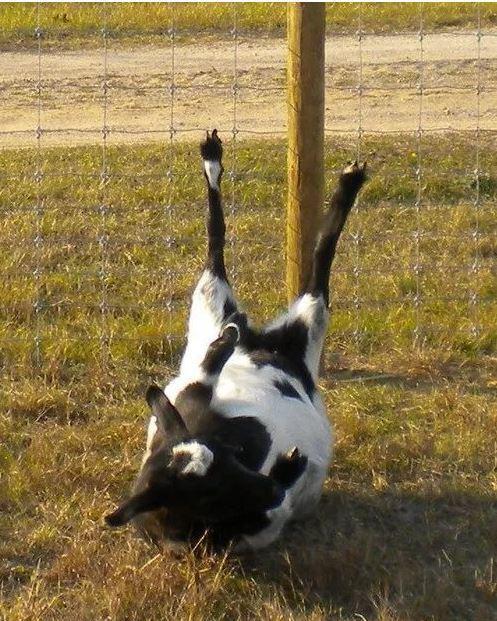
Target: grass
<point>68,24</point>
<point>406,528</point>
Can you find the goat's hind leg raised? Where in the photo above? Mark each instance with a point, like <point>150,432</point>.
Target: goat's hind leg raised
<point>302,329</point>
<point>213,300</point>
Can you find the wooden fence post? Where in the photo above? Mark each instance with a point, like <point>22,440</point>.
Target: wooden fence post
<point>305,65</point>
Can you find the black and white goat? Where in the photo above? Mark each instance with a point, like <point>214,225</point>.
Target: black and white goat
<point>239,443</point>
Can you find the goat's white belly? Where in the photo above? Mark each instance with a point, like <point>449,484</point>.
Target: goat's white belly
<point>243,389</point>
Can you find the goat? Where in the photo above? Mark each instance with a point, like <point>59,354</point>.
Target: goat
<point>239,442</point>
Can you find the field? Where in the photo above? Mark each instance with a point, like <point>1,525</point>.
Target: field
<point>99,251</point>
<point>406,528</point>
<point>66,25</point>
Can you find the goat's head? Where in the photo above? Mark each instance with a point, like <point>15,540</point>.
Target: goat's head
<point>203,481</point>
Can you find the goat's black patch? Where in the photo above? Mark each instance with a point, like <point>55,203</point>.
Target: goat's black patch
<point>294,367</point>
<point>283,348</point>
<point>229,308</point>
<point>246,434</point>
<point>286,389</point>
<point>290,340</point>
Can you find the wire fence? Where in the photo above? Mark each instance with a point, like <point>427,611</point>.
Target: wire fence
<point>103,202</point>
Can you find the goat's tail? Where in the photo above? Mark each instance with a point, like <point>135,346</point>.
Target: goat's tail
<point>349,184</point>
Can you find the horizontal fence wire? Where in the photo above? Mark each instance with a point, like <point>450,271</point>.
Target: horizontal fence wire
<point>20,308</point>
<point>165,132</point>
<point>116,233</point>
<point>247,34</point>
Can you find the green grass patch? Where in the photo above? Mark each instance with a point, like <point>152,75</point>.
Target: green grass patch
<point>112,261</point>
<point>69,24</point>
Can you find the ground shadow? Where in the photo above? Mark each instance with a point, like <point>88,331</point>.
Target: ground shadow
<point>425,557</point>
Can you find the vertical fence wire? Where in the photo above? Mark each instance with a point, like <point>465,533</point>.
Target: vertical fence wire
<point>359,151</point>
<point>38,178</point>
<point>421,292</point>
<point>475,266</point>
<point>360,86</point>
<point>104,207</point>
<point>419,182</point>
<point>234,132</point>
<point>170,242</point>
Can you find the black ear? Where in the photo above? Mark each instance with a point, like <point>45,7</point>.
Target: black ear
<point>168,417</point>
<point>146,501</point>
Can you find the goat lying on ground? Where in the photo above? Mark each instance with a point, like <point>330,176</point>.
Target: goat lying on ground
<point>239,443</point>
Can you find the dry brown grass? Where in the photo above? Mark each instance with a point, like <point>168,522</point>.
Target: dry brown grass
<point>407,527</point>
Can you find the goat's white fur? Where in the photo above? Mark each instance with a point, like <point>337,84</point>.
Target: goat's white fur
<point>201,457</point>
<point>313,312</point>
<point>213,171</point>
<point>206,318</point>
<point>243,389</point>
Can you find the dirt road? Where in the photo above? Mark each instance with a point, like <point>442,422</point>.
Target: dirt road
<point>139,100</point>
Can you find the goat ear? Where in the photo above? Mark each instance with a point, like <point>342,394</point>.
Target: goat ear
<point>140,503</point>
<point>168,417</point>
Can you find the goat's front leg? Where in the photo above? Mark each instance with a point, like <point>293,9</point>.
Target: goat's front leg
<point>196,395</point>
<point>213,300</point>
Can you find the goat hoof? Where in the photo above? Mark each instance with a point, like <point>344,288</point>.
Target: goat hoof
<point>352,166</point>
<point>292,454</point>
<point>354,170</point>
<point>211,149</point>
<point>234,329</point>
<point>239,320</point>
